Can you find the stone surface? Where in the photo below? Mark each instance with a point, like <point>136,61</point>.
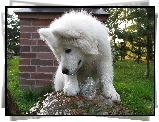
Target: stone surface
<point>56,103</point>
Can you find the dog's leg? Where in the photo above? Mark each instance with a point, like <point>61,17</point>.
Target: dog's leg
<point>59,79</point>
<point>105,73</point>
<point>71,87</point>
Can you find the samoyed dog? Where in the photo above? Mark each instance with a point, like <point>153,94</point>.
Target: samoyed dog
<point>80,44</point>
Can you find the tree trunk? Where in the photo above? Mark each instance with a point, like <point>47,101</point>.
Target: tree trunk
<point>148,57</point>
<point>150,14</point>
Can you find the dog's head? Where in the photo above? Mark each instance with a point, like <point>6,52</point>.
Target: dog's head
<point>73,39</point>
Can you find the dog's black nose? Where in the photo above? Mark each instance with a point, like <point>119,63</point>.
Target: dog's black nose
<point>65,71</point>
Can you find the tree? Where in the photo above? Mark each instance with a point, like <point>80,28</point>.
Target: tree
<point>144,26</point>
<point>113,24</point>
<point>13,33</point>
<point>134,32</point>
<point>150,36</point>
<point>138,31</point>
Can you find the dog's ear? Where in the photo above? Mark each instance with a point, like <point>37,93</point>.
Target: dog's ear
<point>45,33</point>
<point>65,32</point>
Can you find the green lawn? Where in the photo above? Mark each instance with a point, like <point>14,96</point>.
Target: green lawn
<point>136,91</point>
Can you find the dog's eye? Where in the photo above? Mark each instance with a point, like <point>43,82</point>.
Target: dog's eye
<point>79,62</point>
<point>68,50</point>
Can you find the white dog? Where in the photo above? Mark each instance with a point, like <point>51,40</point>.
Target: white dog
<point>80,44</point>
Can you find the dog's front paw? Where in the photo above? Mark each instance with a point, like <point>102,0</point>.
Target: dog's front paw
<point>71,90</point>
<point>110,93</point>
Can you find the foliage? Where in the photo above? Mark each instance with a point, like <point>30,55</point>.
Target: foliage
<point>115,53</point>
<point>13,33</point>
<point>134,26</point>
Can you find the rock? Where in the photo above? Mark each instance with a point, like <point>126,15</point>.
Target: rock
<point>56,103</point>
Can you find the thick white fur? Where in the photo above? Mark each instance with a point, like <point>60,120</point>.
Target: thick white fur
<point>88,39</point>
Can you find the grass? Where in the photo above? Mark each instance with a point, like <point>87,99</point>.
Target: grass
<point>136,91</point>
<point>13,69</point>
